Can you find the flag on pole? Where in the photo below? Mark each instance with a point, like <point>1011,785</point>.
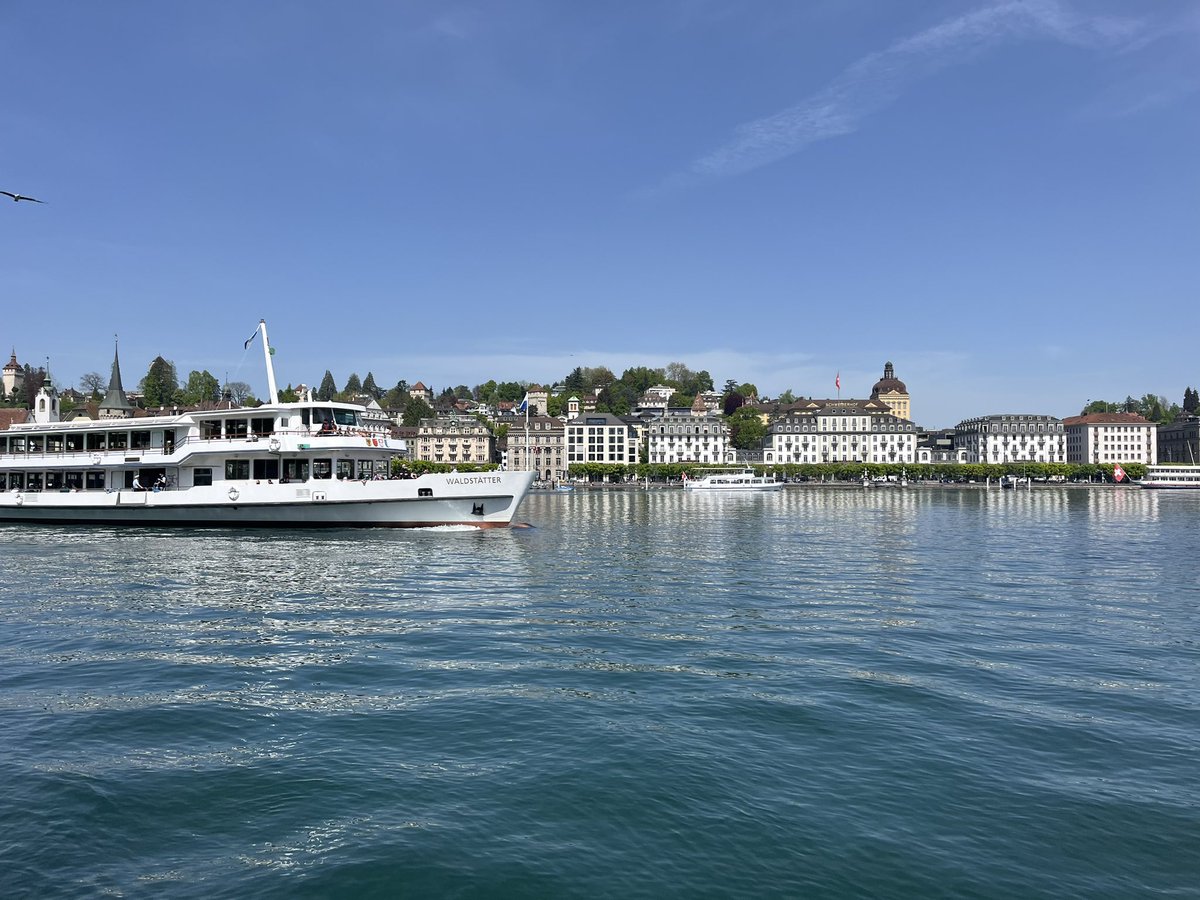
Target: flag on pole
<point>837,382</point>
<point>523,406</point>
<point>249,340</point>
<point>1118,472</point>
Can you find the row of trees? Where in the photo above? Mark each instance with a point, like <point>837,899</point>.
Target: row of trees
<point>1153,407</point>
<point>850,471</point>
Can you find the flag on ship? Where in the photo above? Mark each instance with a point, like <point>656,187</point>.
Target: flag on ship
<point>250,340</point>
<point>1118,472</point>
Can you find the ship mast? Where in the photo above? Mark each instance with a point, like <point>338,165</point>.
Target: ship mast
<point>272,390</point>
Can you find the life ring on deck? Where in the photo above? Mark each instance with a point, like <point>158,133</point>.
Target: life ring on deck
<point>95,459</point>
<point>274,445</point>
<point>20,499</point>
<point>233,493</point>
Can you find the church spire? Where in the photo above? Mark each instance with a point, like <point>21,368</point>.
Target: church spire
<point>115,404</point>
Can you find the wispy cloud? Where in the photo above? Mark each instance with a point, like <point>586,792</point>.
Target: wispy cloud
<point>878,79</point>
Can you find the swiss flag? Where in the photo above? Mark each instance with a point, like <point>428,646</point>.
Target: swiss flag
<point>837,382</point>
<point>1118,472</point>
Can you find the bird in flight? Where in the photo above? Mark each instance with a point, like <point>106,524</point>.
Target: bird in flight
<point>17,197</point>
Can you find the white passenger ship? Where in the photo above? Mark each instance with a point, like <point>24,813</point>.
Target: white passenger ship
<point>310,463</point>
<point>733,481</point>
<point>1172,478</point>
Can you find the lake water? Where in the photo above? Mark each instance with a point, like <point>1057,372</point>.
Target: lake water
<point>917,692</point>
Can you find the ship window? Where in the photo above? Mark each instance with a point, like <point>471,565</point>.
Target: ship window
<point>33,481</point>
<point>345,468</point>
<point>139,440</point>
<point>94,481</point>
<point>346,417</point>
<point>210,429</point>
<point>73,481</point>
<point>266,468</point>
<point>18,445</point>
<point>237,470</point>
<point>262,427</point>
<point>36,443</point>
<point>16,480</point>
<point>235,428</point>
<point>295,470</point>
<point>118,440</point>
<point>322,468</point>
<point>200,477</point>
<point>74,443</point>
<point>54,481</point>
<point>54,443</point>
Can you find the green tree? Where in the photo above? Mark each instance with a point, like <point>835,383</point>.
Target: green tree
<point>160,385</point>
<point>575,383</point>
<point>202,387</point>
<point>328,388</point>
<point>369,386</point>
<point>289,395</point>
<point>618,398</point>
<point>353,386</point>
<point>1191,400</point>
<point>416,410</point>
<point>787,397</point>
<point>640,378</point>
<point>746,429</point>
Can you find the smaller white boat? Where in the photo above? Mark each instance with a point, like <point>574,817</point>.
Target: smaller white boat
<point>1175,478</point>
<point>732,481</point>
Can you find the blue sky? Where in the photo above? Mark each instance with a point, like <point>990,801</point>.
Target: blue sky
<point>1002,198</point>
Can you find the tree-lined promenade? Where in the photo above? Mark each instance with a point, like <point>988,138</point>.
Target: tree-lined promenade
<point>841,471</point>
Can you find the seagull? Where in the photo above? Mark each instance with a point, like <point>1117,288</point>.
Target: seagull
<point>17,197</point>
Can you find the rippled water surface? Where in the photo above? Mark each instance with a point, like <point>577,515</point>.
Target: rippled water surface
<point>820,693</point>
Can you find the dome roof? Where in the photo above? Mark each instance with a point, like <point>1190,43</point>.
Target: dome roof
<point>889,383</point>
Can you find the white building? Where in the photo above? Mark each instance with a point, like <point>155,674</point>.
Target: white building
<point>601,438</point>
<point>1011,438</point>
<point>1111,438</point>
<point>825,431</point>
<point>689,436</point>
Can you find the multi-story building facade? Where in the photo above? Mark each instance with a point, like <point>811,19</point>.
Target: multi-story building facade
<point>1111,438</point>
<point>1009,437</point>
<point>826,431</point>
<point>541,449</point>
<point>601,438</point>
<point>1179,441</point>
<point>689,436</point>
<point>453,439</point>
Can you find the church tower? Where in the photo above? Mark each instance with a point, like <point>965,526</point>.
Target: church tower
<point>45,404</point>
<point>891,390</point>
<point>115,404</point>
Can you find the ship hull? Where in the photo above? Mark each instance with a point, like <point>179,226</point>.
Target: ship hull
<point>483,500</point>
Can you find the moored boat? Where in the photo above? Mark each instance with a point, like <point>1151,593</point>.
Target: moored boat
<point>733,481</point>
<point>1172,478</point>
<point>309,463</point>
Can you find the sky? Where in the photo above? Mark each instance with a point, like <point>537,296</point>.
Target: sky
<point>1001,198</point>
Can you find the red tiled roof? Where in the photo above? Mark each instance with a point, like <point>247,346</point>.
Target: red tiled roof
<point>1107,419</point>
<point>13,416</point>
